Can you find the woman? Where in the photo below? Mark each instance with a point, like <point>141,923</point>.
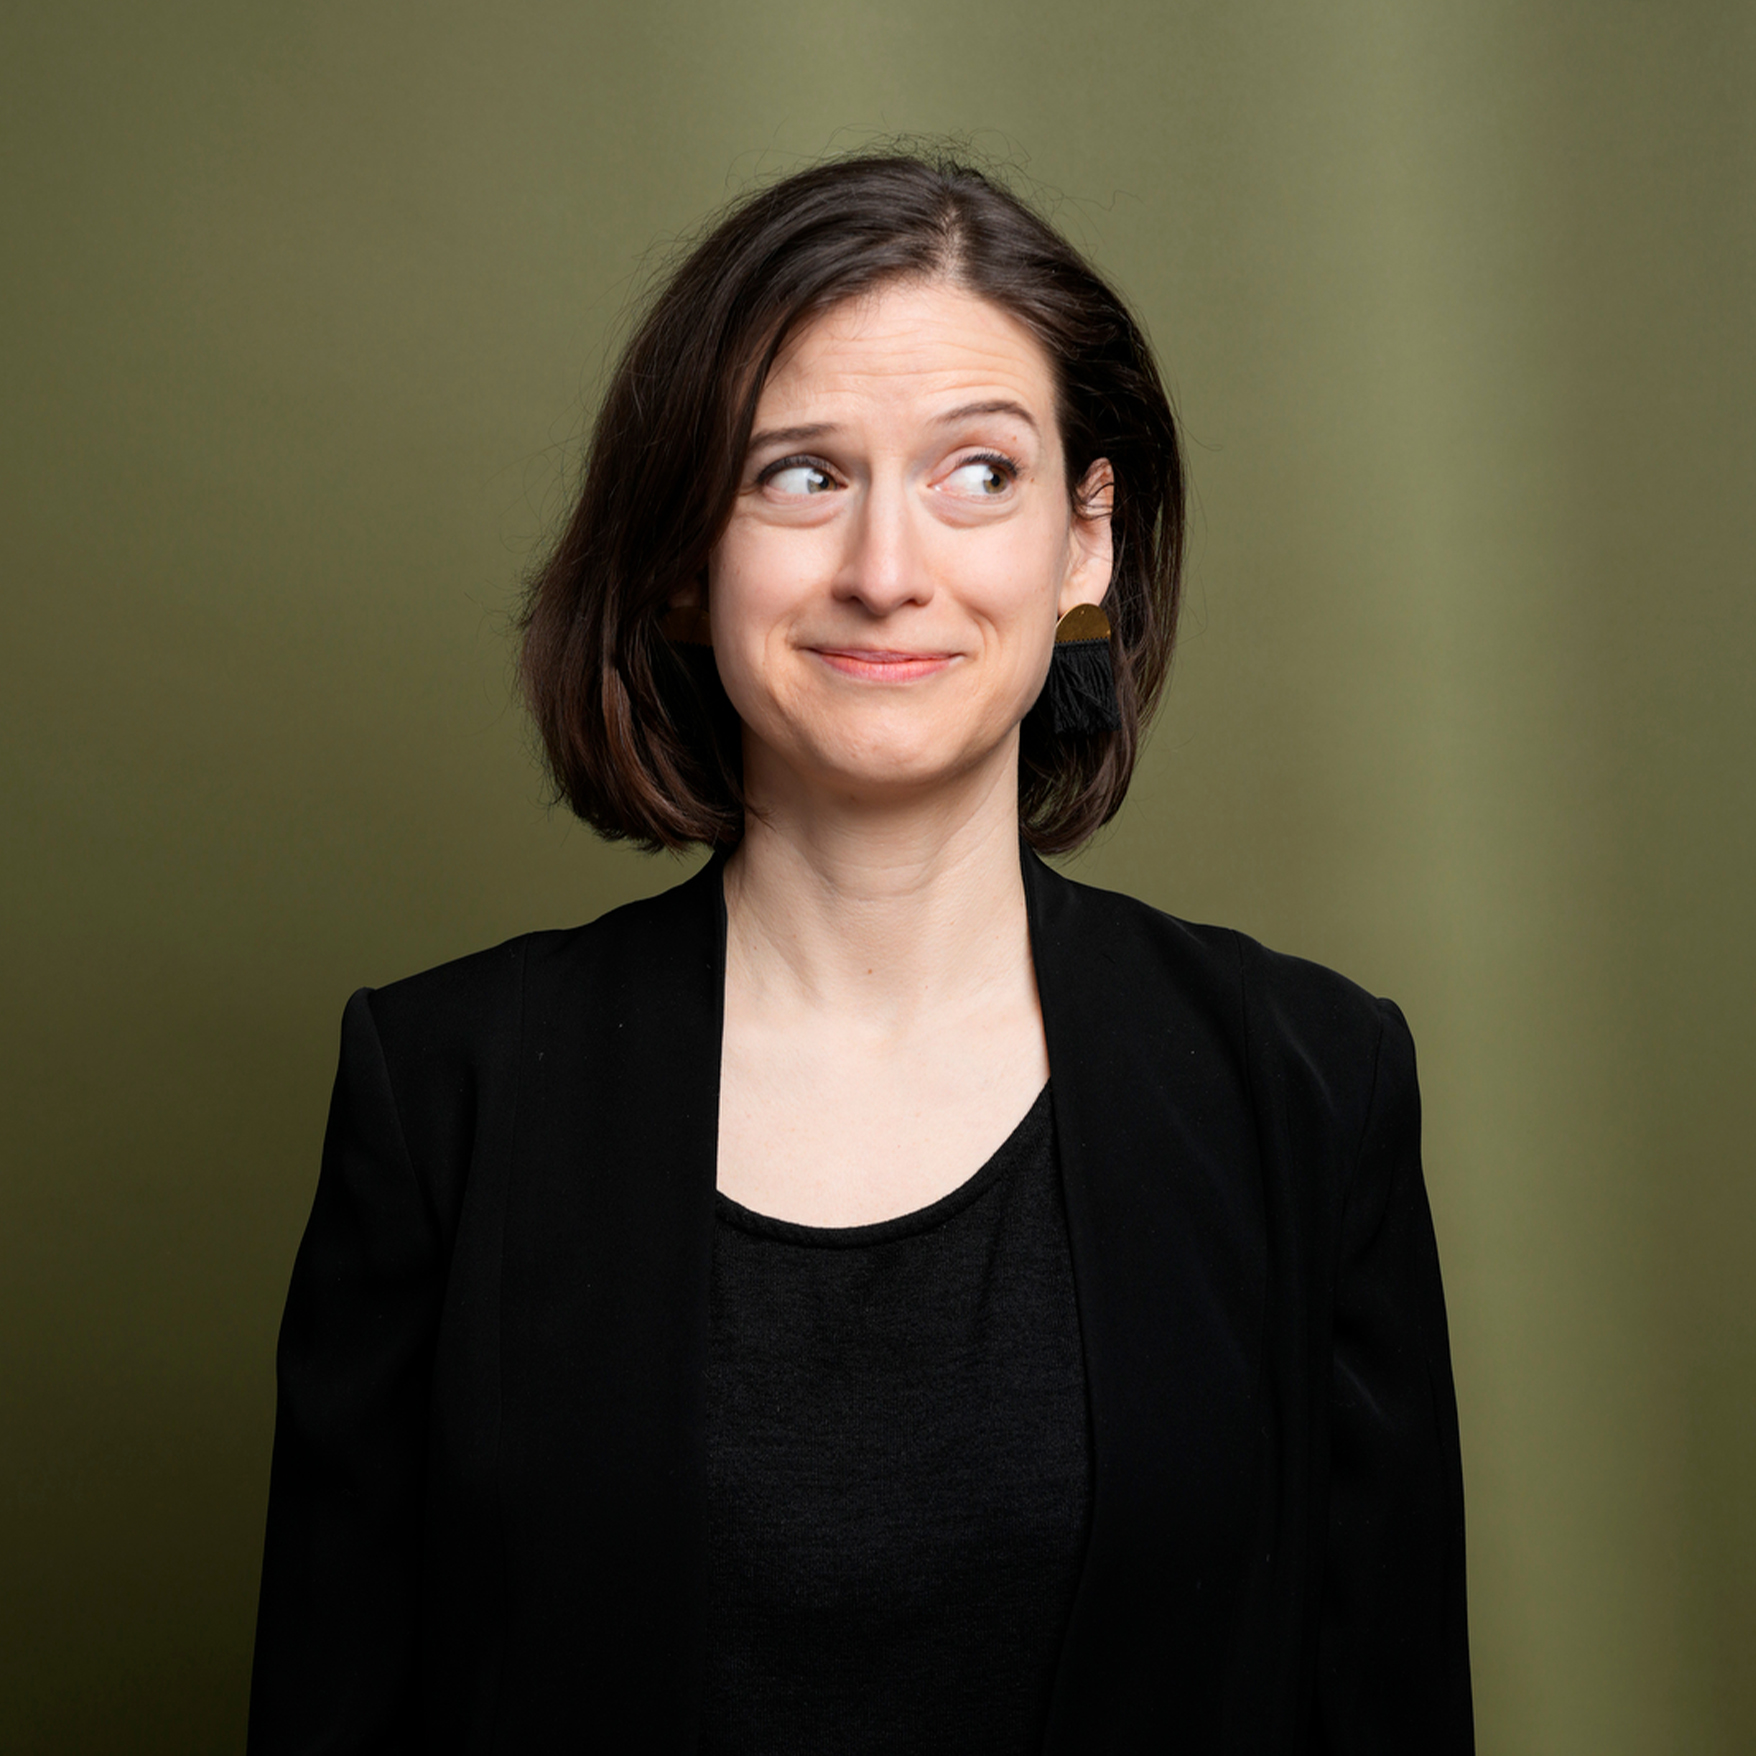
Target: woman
<point>878,1295</point>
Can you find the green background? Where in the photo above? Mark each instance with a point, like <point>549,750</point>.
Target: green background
<point>304,307</point>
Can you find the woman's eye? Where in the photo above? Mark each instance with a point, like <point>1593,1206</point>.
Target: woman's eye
<point>799,479</point>
<point>982,478</point>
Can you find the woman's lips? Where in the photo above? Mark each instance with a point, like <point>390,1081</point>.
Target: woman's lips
<point>874,664</point>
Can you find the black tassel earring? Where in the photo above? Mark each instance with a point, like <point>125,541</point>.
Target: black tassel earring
<point>1081,691</point>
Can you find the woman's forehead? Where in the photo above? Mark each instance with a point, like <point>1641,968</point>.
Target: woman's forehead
<point>909,340</point>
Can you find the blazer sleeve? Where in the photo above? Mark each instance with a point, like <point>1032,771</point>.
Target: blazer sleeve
<point>1393,1645</point>
<point>335,1636</point>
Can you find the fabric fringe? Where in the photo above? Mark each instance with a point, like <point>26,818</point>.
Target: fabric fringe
<point>1081,691</point>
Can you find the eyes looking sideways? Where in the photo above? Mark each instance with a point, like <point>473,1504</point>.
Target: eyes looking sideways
<point>972,476</point>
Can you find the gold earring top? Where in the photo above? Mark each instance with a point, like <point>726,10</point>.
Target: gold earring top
<point>1082,622</point>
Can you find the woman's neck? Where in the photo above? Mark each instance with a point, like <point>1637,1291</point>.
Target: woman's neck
<point>891,909</point>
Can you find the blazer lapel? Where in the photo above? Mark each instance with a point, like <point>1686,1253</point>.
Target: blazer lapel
<point>608,1253</point>
<point>1159,1163</point>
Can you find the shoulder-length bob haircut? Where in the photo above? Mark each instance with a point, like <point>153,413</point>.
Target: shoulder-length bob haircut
<point>639,736</point>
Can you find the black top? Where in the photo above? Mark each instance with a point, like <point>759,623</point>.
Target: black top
<point>898,1470</point>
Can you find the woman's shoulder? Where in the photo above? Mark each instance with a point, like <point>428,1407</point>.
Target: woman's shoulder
<point>1271,1004</point>
<point>1131,928</point>
<point>468,1004</point>
<point>451,1045</point>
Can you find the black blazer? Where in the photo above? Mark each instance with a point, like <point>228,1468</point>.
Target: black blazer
<point>485,1522</point>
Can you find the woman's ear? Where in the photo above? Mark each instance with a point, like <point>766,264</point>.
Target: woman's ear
<point>1090,553</point>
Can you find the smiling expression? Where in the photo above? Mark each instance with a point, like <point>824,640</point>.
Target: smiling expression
<point>884,596</point>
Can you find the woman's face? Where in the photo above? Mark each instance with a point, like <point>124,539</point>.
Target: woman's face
<point>884,597</point>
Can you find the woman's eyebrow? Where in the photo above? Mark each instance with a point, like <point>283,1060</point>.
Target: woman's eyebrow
<point>1002,406</point>
<point>963,412</point>
<point>791,435</point>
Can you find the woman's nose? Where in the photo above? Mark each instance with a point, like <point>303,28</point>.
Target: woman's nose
<point>884,567</point>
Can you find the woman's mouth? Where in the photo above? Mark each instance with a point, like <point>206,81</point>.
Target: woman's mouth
<point>879,665</point>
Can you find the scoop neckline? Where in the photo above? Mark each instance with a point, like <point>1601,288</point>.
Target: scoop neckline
<point>902,1225</point>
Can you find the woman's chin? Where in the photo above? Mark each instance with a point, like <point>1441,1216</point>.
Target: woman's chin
<point>896,776</point>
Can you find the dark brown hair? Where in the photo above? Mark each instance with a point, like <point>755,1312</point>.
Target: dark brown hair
<point>639,736</point>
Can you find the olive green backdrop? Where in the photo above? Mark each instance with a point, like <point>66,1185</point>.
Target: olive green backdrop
<point>303,309</point>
